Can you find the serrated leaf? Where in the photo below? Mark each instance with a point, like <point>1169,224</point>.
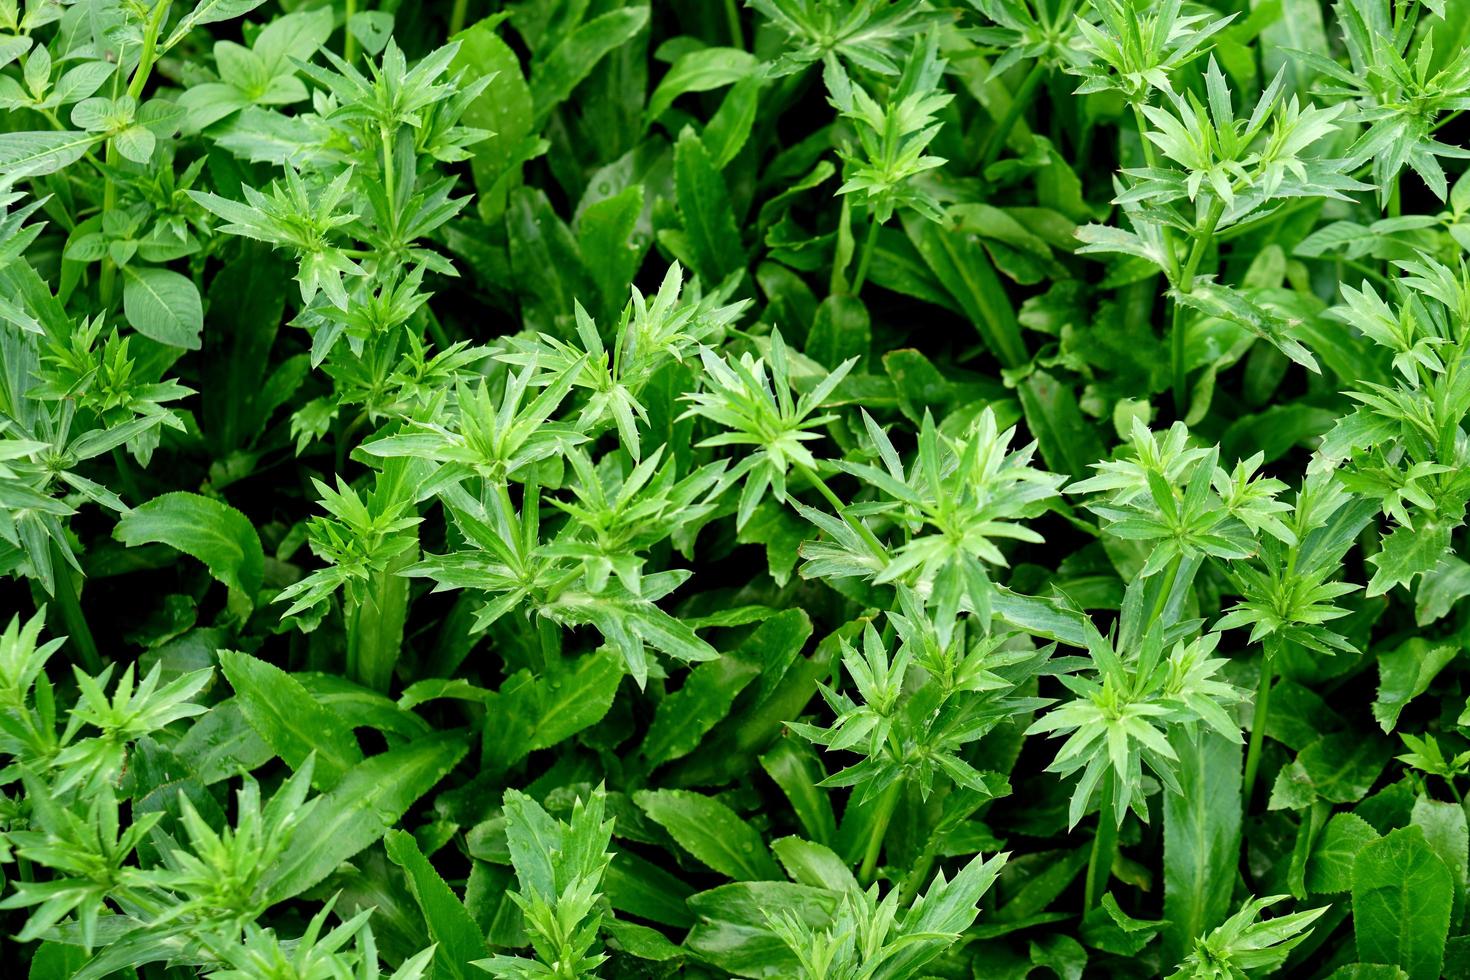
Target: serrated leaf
<point>1330,868</point>
<point>370,799</point>
<point>1340,768</point>
<point>1407,552</point>
<point>292,722</point>
<point>457,938</point>
<point>712,832</point>
<point>214,532</point>
<point>1402,897</point>
<point>1406,673</point>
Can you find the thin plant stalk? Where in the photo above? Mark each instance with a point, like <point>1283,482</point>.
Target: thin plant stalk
<point>1203,235</point>
<point>732,18</point>
<point>877,831</point>
<point>1104,848</point>
<point>1019,103</point>
<point>375,625</point>
<point>349,43</point>
<point>457,16</point>
<point>1258,724</point>
<point>862,530</point>
<point>136,84</point>
<point>69,606</point>
<point>870,242</point>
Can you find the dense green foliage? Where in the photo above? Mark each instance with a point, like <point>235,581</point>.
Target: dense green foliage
<point>806,488</point>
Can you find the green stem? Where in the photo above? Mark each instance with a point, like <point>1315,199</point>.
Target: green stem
<point>436,330</point>
<point>125,475</point>
<point>375,626</point>
<point>877,831</point>
<point>344,439</point>
<point>107,282</point>
<point>389,176</point>
<point>1203,235</point>
<point>1104,847</point>
<point>732,17</point>
<point>349,43</point>
<point>68,604</point>
<point>861,529</point>
<point>870,241</point>
<point>1177,368</point>
<point>457,16</point>
<point>1162,599</point>
<point>996,142</point>
<point>150,48</point>
<point>1258,727</point>
<point>914,880</point>
<point>1366,270</point>
<point>548,634</point>
<point>139,80</point>
<point>1202,238</point>
<point>1141,122</point>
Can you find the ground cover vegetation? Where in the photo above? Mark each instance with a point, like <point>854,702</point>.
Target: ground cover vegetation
<point>802,488</point>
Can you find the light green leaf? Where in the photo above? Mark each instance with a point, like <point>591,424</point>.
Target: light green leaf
<point>1406,673</point>
<point>1408,552</point>
<point>372,28</point>
<point>370,799</point>
<point>209,12</point>
<point>457,938</point>
<point>292,722</point>
<point>1330,868</point>
<point>700,71</point>
<point>163,306</point>
<point>1445,831</point>
<point>1201,837</point>
<point>37,154</point>
<point>1440,588</point>
<point>214,532</point>
<point>812,864</point>
<point>1299,28</point>
<point>641,941</point>
<point>1402,896</point>
<point>135,143</point>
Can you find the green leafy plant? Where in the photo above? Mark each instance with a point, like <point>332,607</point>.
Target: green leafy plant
<point>802,488</point>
